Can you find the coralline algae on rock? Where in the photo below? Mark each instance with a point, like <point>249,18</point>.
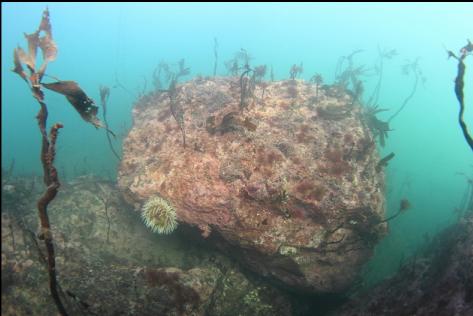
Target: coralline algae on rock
<point>289,183</point>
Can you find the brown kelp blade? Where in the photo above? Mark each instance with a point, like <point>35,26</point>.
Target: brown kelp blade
<point>79,100</point>
<point>17,63</point>
<point>45,24</point>
<point>30,58</point>
<point>46,43</point>
<point>48,48</point>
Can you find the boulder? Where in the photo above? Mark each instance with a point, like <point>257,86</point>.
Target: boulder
<point>285,173</point>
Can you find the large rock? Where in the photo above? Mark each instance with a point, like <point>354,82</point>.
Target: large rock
<point>291,182</point>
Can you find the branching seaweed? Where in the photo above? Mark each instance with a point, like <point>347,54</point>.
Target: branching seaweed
<point>161,70</point>
<point>74,94</point>
<point>295,71</point>
<point>378,128</point>
<point>104,95</point>
<point>247,81</point>
<point>259,73</point>
<point>410,67</point>
<point>346,72</point>
<point>347,76</point>
<point>249,77</point>
<point>382,55</point>
<point>118,84</point>
<point>247,86</point>
<point>317,80</point>
<point>244,56</point>
<point>83,105</point>
<point>105,198</point>
<point>459,83</point>
<point>176,107</point>
<point>232,67</point>
<point>364,222</point>
<point>240,62</point>
<point>48,145</point>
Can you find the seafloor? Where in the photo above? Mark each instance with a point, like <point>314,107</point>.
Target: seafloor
<point>108,263</point>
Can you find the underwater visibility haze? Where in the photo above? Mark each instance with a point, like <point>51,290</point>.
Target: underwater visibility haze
<point>237,159</point>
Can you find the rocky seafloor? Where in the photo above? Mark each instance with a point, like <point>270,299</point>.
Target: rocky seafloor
<point>438,281</point>
<point>109,263</point>
<point>122,268</point>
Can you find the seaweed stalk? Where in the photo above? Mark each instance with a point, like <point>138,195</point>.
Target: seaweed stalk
<point>48,153</point>
<point>104,95</point>
<point>118,84</point>
<point>403,207</point>
<point>245,87</point>
<point>384,162</point>
<point>382,54</point>
<point>106,199</point>
<point>459,83</point>
<point>216,55</point>
<point>176,108</point>
<point>415,68</point>
<point>83,105</point>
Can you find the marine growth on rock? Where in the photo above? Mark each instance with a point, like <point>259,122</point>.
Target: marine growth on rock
<point>276,180</point>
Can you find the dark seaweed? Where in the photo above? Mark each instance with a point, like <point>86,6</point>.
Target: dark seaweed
<point>459,83</point>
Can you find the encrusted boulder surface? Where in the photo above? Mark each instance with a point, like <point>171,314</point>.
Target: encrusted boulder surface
<point>287,178</point>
